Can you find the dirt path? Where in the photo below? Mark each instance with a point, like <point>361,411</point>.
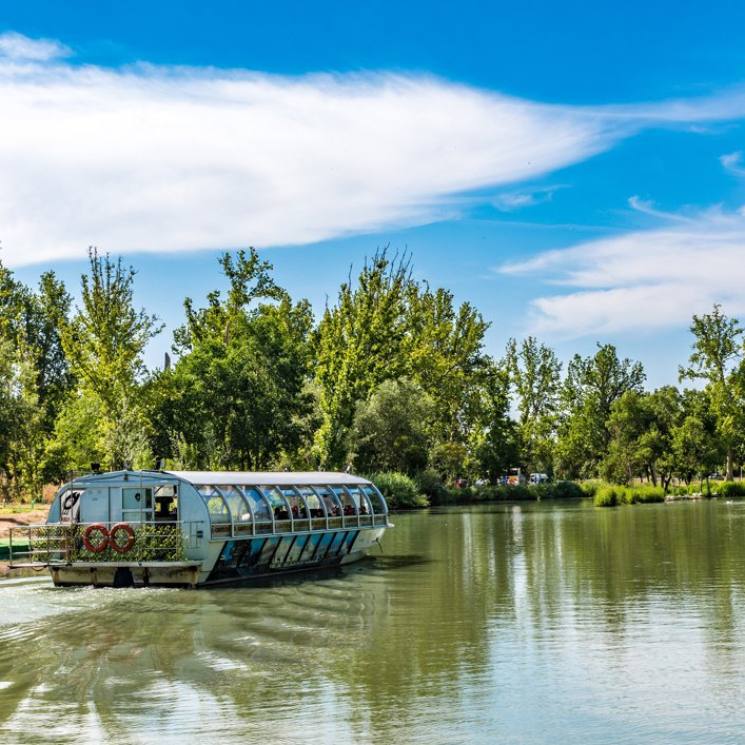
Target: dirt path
<point>10,520</point>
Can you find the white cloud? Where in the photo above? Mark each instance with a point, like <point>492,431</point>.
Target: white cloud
<point>733,162</point>
<point>168,159</point>
<point>514,200</point>
<point>643,280</point>
<point>19,47</point>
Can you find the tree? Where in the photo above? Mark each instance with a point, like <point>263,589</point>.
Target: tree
<point>444,347</point>
<point>494,442</point>
<point>588,393</point>
<point>391,430</point>
<point>358,345</point>
<point>717,358</point>
<point>104,343</point>
<point>237,395</point>
<point>35,376</point>
<point>641,427</point>
<point>696,445</point>
<point>535,374</point>
<point>387,326</point>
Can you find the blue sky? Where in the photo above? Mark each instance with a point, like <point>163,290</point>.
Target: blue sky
<point>573,169</point>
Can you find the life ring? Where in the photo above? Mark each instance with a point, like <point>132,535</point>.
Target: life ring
<point>70,501</point>
<point>96,548</point>
<point>118,547</point>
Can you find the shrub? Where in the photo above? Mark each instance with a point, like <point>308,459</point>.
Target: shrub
<point>535,492</point>
<point>643,494</point>
<point>541,491</point>
<point>519,493</point>
<point>589,487</point>
<point>567,490</point>
<point>430,484</point>
<point>610,495</point>
<point>400,490</point>
<point>729,489</point>
<point>607,496</point>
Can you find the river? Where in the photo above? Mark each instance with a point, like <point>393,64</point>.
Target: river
<point>531,623</point>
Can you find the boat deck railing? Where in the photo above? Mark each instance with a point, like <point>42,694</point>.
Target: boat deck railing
<point>296,524</point>
<point>62,543</point>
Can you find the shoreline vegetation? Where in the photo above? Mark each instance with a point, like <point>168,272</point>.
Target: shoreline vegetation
<point>405,493</point>
<point>392,380</point>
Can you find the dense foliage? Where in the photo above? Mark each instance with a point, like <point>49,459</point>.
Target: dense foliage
<point>392,380</point>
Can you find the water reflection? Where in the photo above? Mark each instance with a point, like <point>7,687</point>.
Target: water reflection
<point>530,623</point>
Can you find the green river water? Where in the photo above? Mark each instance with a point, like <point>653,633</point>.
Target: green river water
<point>537,623</point>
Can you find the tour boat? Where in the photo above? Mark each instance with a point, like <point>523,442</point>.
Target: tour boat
<point>194,528</point>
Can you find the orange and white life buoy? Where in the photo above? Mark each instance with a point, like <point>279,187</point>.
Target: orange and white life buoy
<point>96,546</point>
<point>122,548</point>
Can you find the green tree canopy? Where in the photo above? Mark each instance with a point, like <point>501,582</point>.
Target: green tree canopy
<point>591,387</point>
<point>391,429</point>
<point>535,374</point>
<point>717,358</point>
<point>237,395</point>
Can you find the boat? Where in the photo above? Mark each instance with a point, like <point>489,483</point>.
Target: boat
<point>200,528</point>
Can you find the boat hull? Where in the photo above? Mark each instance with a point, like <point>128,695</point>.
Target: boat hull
<point>230,560</point>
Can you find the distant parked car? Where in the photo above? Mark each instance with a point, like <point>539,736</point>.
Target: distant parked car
<point>538,478</point>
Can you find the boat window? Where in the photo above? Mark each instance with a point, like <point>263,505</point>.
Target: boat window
<point>296,503</point>
<point>313,501</point>
<point>237,504</point>
<point>279,505</point>
<point>216,505</point>
<point>259,504</point>
<point>348,505</point>
<point>359,499</point>
<point>132,499</point>
<point>377,500</point>
<point>330,500</point>
<point>274,496</point>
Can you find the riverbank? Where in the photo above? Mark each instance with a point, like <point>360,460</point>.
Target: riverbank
<point>16,515</point>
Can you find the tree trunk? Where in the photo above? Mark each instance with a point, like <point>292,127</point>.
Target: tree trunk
<point>729,464</point>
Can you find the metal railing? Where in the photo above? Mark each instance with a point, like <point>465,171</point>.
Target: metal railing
<point>299,524</point>
<point>62,543</point>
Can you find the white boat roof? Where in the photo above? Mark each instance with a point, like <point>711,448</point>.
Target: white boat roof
<point>271,478</point>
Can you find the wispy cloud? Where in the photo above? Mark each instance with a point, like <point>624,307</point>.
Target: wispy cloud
<point>646,207</point>
<point>167,159</point>
<point>514,200</point>
<point>642,280</point>
<point>733,162</point>
<point>19,47</point>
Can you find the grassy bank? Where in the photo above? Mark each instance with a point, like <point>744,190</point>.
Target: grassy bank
<point>611,495</point>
